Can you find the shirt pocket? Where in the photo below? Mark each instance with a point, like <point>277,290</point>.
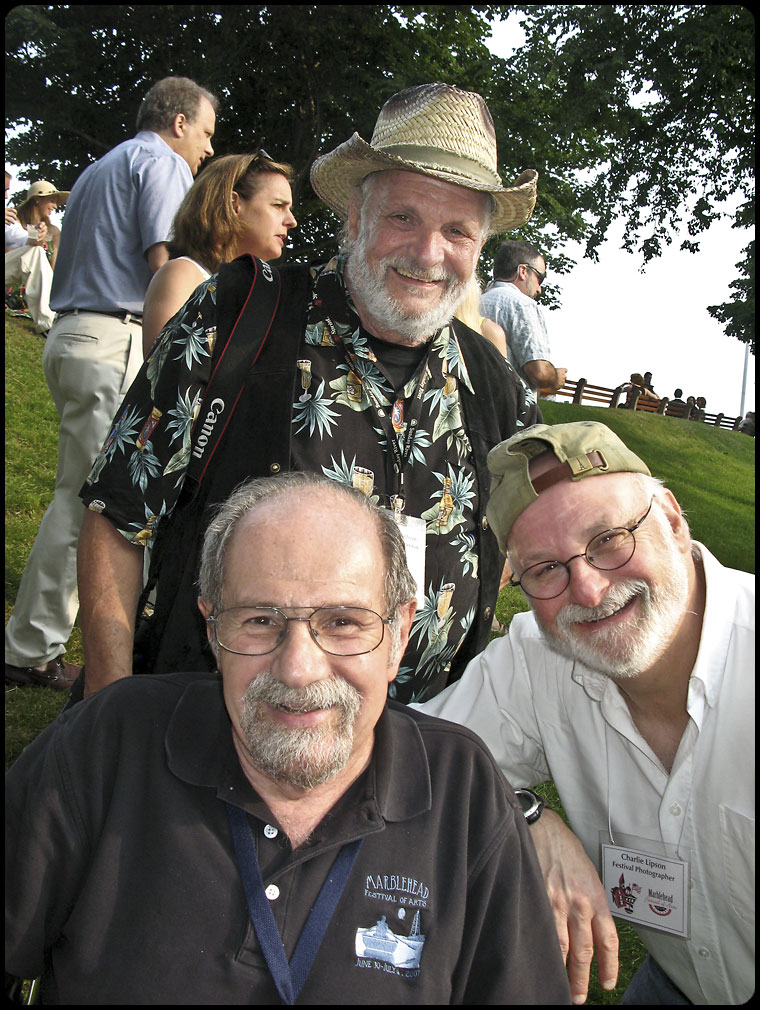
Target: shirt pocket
<point>737,833</point>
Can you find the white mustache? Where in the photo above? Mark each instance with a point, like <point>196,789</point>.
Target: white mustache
<point>332,693</point>
<point>417,273</point>
<point>615,600</point>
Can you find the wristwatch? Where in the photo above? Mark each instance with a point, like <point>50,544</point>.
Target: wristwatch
<point>531,804</point>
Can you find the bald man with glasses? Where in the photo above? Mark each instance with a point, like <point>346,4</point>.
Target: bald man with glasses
<point>278,831</point>
<point>630,684</point>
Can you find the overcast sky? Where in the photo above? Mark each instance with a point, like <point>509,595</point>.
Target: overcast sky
<point>615,320</point>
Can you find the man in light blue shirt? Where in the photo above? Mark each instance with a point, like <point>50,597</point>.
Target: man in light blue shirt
<point>519,271</point>
<point>116,226</point>
<point>118,220</point>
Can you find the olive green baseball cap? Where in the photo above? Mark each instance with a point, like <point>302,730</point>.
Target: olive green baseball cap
<point>582,448</point>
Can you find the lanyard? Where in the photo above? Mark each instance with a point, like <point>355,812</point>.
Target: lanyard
<point>400,459</point>
<point>643,868</point>
<point>677,845</point>
<point>288,977</point>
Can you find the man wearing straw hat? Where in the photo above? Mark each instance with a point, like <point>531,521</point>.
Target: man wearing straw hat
<point>631,685</point>
<point>362,376</point>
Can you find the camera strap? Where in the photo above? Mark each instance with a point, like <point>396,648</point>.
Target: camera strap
<point>232,363</point>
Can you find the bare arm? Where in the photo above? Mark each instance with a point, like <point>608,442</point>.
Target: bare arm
<point>156,256</point>
<point>493,332</point>
<point>167,292</point>
<point>506,574</point>
<point>577,898</point>
<point>110,579</point>
<point>54,240</point>
<point>544,375</point>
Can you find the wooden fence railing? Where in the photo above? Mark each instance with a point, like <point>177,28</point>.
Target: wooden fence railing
<point>582,391</point>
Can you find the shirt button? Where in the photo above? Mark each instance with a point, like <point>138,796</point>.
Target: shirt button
<point>274,467</point>
<point>270,831</point>
<point>704,952</point>
<point>272,892</point>
<point>675,810</point>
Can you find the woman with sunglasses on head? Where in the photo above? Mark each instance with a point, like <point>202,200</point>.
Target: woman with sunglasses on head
<point>241,203</point>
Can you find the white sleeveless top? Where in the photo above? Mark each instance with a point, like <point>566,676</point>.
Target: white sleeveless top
<point>205,274</point>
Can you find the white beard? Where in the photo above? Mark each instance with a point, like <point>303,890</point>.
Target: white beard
<point>300,757</point>
<point>367,285</point>
<point>631,648</point>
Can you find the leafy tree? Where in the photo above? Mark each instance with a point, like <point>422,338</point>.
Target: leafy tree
<point>634,112</point>
<point>654,107</point>
<point>297,79</point>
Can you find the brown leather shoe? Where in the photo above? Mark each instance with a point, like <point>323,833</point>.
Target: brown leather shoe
<point>56,674</point>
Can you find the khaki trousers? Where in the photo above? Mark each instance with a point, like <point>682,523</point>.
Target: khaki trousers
<point>89,361</point>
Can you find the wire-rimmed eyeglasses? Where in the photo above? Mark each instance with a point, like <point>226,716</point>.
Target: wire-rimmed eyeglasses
<point>606,551</point>
<point>338,631</point>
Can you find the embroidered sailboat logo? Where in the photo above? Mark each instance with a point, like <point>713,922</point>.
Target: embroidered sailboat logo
<point>379,941</point>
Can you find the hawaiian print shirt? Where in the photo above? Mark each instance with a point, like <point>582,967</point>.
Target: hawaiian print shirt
<point>345,418</point>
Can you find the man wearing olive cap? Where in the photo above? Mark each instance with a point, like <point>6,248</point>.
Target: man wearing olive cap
<point>631,685</point>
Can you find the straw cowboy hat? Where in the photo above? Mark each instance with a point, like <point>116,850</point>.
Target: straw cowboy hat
<point>437,130</point>
<point>45,189</point>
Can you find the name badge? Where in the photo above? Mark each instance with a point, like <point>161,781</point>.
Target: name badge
<point>413,530</point>
<point>646,888</point>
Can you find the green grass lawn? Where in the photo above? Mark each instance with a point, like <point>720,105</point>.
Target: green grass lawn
<point>31,440</point>
<point>711,472</point>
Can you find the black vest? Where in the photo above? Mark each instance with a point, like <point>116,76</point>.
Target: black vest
<point>257,444</point>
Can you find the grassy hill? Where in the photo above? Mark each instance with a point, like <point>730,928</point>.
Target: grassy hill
<point>711,471</point>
